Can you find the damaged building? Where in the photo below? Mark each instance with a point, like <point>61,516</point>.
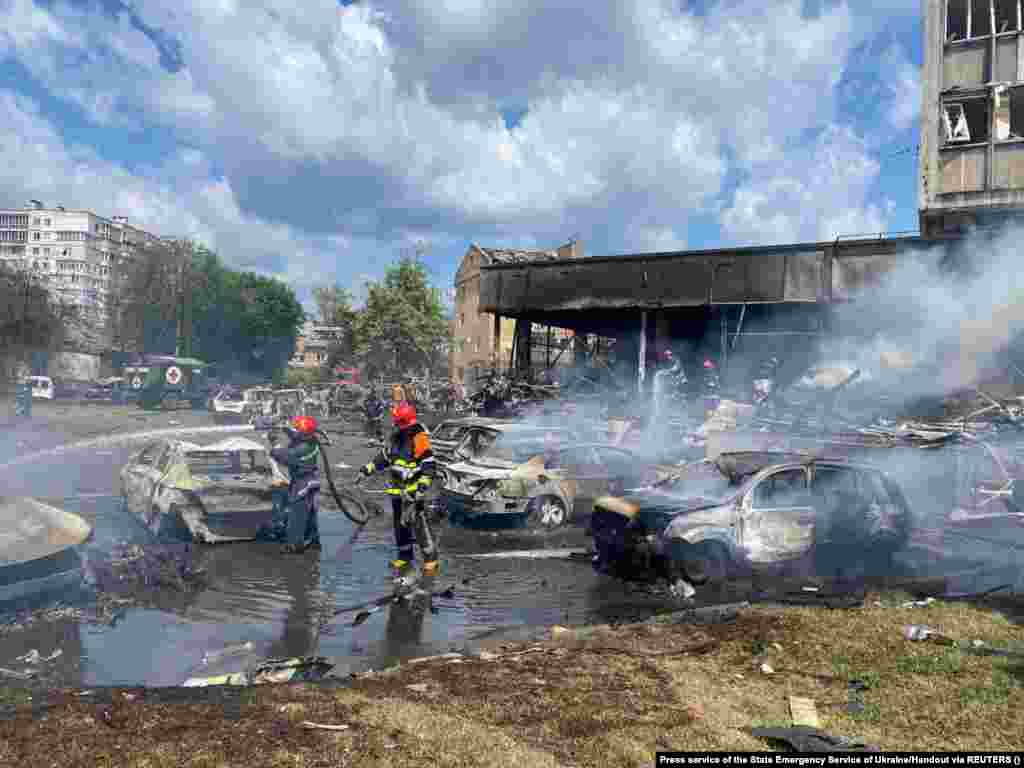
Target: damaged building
<point>483,342</point>
<point>972,120</point>
<point>733,306</point>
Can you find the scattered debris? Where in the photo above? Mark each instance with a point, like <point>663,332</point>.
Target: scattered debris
<point>918,632</point>
<point>34,657</point>
<point>304,669</point>
<point>238,649</point>
<point>767,669</point>
<point>323,726</point>
<point>803,712</point>
<point>812,739</point>
<point>919,603</point>
<point>26,675</point>
<point>418,687</point>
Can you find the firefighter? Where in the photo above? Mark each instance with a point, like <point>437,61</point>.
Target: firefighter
<point>410,460</point>
<point>302,457</point>
<point>374,409</point>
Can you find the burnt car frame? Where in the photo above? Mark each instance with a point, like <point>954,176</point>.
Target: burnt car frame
<point>762,514</point>
<point>446,436</point>
<point>213,493</point>
<point>541,479</point>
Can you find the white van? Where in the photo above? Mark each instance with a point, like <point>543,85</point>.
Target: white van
<point>42,387</point>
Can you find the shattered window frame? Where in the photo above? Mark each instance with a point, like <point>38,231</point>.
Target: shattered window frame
<point>978,126</point>
<point>1013,18</point>
<point>1008,104</point>
<point>957,26</point>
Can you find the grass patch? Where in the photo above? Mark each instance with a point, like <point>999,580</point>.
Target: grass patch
<point>947,663</point>
<point>612,696</point>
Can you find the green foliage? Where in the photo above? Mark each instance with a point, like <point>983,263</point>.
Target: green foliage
<point>240,321</point>
<point>301,377</point>
<point>403,328</point>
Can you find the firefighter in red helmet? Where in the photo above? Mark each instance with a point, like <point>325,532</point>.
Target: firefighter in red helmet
<point>302,457</point>
<point>410,461</point>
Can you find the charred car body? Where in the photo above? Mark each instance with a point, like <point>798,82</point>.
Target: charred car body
<point>753,512</point>
<point>213,493</point>
<point>514,475</point>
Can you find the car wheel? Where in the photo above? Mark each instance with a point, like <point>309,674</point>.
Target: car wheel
<point>706,564</point>
<point>546,513</point>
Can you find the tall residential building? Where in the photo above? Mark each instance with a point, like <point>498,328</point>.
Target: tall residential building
<point>972,121</point>
<point>481,342</point>
<point>73,252</point>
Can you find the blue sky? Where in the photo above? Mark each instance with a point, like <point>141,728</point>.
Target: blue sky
<point>316,140</point>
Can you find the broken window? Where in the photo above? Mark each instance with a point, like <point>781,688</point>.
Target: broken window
<point>1006,16</point>
<point>981,19</point>
<point>965,122</point>
<point>1009,113</point>
<point>956,20</point>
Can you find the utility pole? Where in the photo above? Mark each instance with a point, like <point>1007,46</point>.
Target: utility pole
<point>184,313</point>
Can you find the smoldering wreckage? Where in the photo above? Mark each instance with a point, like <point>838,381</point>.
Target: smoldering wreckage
<point>832,475</point>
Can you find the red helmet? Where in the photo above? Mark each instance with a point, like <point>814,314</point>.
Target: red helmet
<point>666,355</point>
<point>404,415</point>
<point>708,364</point>
<point>305,425</point>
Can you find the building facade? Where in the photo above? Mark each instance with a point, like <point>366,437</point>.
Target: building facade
<point>480,341</point>
<point>74,253</point>
<point>312,347</point>
<point>972,119</point>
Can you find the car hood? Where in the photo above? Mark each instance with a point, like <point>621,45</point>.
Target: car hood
<point>478,470</point>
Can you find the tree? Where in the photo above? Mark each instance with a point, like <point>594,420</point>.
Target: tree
<point>31,317</point>
<point>180,291</point>
<point>402,329</point>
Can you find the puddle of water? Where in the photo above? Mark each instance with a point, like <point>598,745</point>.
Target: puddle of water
<point>254,594</point>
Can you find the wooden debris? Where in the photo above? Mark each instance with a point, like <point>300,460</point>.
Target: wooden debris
<point>804,712</point>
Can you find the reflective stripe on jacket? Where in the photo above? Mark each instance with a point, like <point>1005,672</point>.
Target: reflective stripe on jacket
<point>409,459</point>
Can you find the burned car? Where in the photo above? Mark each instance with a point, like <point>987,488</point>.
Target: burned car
<point>447,435</point>
<point>751,513</point>
<point>514,475</point>
<point>209,493</point>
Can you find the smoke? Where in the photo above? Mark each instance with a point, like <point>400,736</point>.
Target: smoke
<point>951,309</point>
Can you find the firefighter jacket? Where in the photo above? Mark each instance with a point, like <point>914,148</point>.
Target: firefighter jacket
<point>410,460</point>
<point>302,457</point>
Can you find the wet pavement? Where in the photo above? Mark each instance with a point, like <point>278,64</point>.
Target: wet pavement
<point>252,594</point>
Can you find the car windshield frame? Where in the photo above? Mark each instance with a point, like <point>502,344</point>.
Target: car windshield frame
<point>704,480</point>
<point>506,447</point>
<point>203,461</point>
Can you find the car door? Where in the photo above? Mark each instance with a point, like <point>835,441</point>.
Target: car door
<point>135,474</point>
<point>583,467</point>
<point>149,477</point>
<point>777,517</point>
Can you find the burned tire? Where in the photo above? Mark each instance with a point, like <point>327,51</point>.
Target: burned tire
<point>546,513</point>
<point>706,565</point>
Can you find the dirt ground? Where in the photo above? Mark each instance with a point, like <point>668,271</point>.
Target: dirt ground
<point>586,697</point>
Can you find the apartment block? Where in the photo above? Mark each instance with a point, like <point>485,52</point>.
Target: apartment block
<point>972,120</point>
<point>73,252</point>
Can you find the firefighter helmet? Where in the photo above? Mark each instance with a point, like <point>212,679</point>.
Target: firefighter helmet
<point>404,415</point>
<point>305,425</point>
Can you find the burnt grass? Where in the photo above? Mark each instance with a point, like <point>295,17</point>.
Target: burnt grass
<point>587,696</point>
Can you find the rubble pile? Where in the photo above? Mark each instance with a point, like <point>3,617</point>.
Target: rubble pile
<point>131,567</point>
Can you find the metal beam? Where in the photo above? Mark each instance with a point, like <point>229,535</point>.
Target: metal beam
<point>642,368</point>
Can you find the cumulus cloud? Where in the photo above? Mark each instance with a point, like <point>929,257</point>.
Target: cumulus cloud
<point>817,196</point>
<point>335,127</point>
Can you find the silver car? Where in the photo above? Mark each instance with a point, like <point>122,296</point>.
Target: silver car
<point>753,512</point>
<point>208,493</point>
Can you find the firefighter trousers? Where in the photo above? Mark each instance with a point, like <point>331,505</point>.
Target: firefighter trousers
<point>412,527</point>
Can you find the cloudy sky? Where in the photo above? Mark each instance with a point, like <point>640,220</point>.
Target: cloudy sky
<point>315,139</point>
